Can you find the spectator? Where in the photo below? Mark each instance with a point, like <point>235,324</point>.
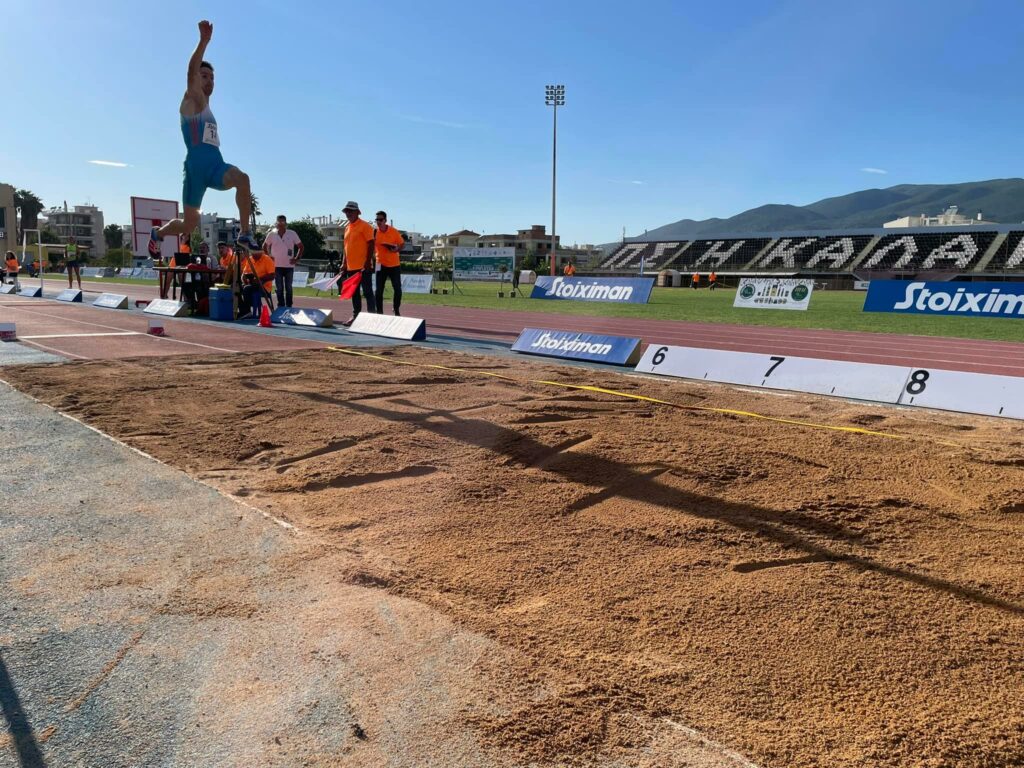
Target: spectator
<point>696,280</point>
<point>34,270</point>
<point>388,242</point>
<point>285,247</point>
<point>569,269</point>
<point>358,258</point>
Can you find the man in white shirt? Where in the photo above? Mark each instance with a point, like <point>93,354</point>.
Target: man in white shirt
<point>285,247</point>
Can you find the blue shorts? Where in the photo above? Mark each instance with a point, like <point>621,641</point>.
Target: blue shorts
<point>203,170</point>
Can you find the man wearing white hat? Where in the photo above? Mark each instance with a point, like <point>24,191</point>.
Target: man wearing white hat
<point>358,258</point>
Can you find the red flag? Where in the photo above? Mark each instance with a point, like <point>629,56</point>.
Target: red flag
<point>350,285</point>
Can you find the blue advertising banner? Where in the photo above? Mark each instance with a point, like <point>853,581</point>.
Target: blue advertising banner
<point>626,290</point>
<point>615,350</point>
<point>946,298</point>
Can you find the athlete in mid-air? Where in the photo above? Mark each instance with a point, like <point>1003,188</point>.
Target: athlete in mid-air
<point>204,166</point>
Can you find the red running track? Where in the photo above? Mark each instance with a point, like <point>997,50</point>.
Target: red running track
<point>994,357</point>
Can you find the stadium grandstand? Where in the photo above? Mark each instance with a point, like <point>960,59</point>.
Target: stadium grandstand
<point>956,253</point>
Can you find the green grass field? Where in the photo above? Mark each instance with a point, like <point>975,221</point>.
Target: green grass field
<point>833,310</point>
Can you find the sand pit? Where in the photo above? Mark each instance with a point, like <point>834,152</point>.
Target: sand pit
<point>806,596</point>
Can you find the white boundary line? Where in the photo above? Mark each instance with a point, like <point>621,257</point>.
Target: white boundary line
<point>54,350</point>
<point>283,523</point>
<point>120,331</point>
<point>739,759</point>
<point>81,335</point>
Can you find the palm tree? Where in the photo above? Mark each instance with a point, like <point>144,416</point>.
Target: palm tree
<point>30,206</point>
<point>254,204</point>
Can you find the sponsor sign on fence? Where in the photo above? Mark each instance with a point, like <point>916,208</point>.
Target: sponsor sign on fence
<point>773,293</point>
<point>411,283</point>
<point>483,263</point>
<point>626,290</point>
<point>616,350</point>
<point>939,298</point>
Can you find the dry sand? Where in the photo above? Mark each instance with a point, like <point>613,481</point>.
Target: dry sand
<point>808,597</point>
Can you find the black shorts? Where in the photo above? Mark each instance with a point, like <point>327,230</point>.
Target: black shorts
<point>71,264</point>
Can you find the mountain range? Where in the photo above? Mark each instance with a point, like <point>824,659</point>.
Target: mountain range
<point>999,200</point>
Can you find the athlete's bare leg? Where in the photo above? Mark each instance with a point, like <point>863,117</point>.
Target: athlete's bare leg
<point>239,181</point>
<point>181,226</point>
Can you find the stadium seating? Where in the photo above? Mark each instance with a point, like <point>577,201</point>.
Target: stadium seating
<point>1010,256</point>
<point>718,254</point>
<point>628,256</point>
<point>951,251</point>
<point>830,253</point>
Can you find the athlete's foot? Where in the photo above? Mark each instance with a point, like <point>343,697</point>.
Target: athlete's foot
<point>154,241</point>
<point>248,241</point>
<point>397,313</point>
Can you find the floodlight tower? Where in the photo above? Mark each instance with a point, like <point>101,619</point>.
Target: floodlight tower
<point>554,96</point>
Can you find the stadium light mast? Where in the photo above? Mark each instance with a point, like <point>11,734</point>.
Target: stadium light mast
<point>554,96</point>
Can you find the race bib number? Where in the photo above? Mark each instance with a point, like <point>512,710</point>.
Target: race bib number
<point>210,135</point>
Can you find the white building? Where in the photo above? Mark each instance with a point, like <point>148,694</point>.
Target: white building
<point>84,223</point>
<point>215,228</point>
<point>950,218</point>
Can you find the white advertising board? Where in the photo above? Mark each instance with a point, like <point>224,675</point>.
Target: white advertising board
<point>148,213</point>
<point>773,293</point>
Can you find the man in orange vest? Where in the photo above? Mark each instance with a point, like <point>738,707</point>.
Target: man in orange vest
<point>13,267</point>
<point>696,280</point>
<point>712,278</point>
<point>358,258</point>
<point>256,285</point>
<point>569,270</point>
<point>388,243</point>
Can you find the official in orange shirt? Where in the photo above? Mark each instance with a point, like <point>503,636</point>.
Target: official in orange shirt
<point>13,267</point>
<point>256,284</point>
<point>358,258</point>
<point>387,243</point>
<point>569,270</point>
<point>696,280</point>
<point>712,279</point>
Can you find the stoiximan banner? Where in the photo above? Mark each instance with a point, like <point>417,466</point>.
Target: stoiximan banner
<point>624,290</point>
<point>938,298</point>
<point>616,350</point>
<point>773,293</point>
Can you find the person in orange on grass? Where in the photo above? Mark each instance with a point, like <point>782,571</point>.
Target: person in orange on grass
<point>387,243</point>
<point>712,279</point>
<point>696,280</point>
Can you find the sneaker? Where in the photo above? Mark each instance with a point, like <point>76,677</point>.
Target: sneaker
<point>397,313</point>
<point>248,241</point>
<point>154,241</point>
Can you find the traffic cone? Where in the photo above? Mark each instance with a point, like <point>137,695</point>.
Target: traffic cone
<point>265,317</point>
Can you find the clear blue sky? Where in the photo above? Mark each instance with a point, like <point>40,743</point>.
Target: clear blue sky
<point>435,111</point>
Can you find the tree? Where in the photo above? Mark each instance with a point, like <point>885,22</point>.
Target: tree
<point>112,234</point>
<point>254,203</point>
<point>312,240</point>
<point>48,235</point>
<point>30,207</point>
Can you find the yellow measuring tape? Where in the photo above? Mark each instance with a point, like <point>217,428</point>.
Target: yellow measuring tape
<point>642,398</point>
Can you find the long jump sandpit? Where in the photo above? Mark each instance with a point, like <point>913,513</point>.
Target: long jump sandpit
<point>807,581</point>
